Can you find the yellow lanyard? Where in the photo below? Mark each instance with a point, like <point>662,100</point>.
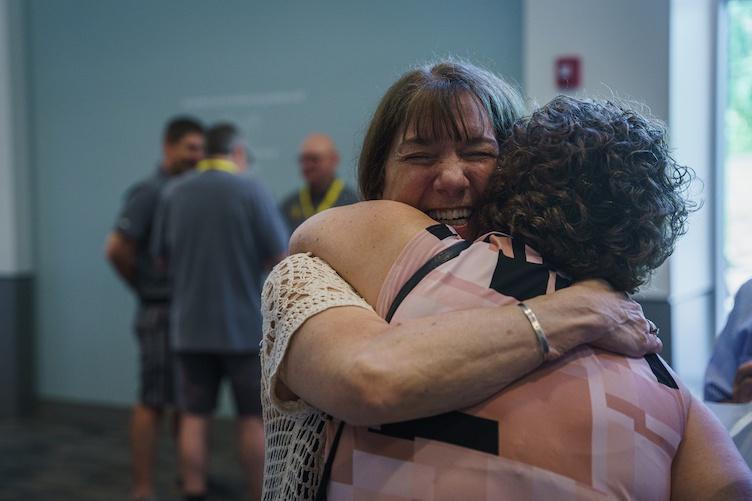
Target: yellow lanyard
<point>332,194</point>
<point>217,164</point>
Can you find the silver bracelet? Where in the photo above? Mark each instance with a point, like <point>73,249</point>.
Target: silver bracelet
<point>537,328</point>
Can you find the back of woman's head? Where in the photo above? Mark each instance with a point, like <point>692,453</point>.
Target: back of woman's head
<point>592,186</point>
<point>428,98</point>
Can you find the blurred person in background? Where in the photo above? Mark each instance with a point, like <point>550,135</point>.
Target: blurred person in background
<point>217,232</point>
<point>729,374</point>
<point>318,161</point>
<point>127,248</point>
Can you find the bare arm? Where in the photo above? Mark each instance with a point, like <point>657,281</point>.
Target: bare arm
<point>353,365</point>
<point>121,252</point>
<point>707,465</point>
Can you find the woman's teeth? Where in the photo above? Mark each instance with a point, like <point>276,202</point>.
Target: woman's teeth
<point>450,216</point>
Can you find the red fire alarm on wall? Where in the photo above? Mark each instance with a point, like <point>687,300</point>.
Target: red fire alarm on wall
<point>567,72</point>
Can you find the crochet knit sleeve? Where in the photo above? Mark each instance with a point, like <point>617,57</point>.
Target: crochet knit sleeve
<point>298,288</point>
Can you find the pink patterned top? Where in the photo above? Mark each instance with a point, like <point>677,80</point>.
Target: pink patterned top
<point>591,425</point>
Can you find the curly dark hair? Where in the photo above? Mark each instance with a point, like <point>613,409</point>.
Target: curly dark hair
<point>592,186</point>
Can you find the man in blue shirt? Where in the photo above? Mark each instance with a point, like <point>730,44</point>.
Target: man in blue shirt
<point>127,249</point>
<point>729,374</point>
<point>218,231</point>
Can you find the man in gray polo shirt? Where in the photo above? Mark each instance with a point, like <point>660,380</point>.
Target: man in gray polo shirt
<point>218,231</point>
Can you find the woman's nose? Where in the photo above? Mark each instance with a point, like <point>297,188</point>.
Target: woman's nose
<point>451,180</point>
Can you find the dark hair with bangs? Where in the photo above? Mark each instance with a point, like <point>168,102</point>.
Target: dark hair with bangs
<point>592,186</point>
<point>437,114</point>
<point>429,99</point>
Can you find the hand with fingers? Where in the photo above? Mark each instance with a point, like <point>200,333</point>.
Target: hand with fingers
<point>625,329</point>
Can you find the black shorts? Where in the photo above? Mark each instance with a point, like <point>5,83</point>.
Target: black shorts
<point>157,376</point>
<point>200,374</point>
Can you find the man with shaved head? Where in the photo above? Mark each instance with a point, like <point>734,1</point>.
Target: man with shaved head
<point>318,159</point>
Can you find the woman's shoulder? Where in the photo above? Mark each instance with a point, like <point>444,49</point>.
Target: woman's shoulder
<point>359,222</point>
<point>366,229</point>
<point>361,241</point>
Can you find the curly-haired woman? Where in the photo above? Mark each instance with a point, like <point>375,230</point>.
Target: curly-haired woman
<point>589,190</point>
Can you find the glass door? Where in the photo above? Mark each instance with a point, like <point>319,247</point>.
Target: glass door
<point>735,190</point>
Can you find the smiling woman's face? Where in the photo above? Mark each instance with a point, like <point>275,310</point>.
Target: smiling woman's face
<point>441,176</point>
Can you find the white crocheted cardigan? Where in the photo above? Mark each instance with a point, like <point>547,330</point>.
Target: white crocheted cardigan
<point>297,288</point>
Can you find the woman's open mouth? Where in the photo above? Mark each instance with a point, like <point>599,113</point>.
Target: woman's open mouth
<point>459,216</point>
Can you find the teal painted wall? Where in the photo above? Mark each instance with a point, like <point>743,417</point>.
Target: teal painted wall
<point>104,75</point>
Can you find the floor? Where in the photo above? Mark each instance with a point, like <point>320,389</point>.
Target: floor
<point>68,452</point>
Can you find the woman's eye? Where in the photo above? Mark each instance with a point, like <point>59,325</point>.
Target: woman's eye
<point>418,157</point>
